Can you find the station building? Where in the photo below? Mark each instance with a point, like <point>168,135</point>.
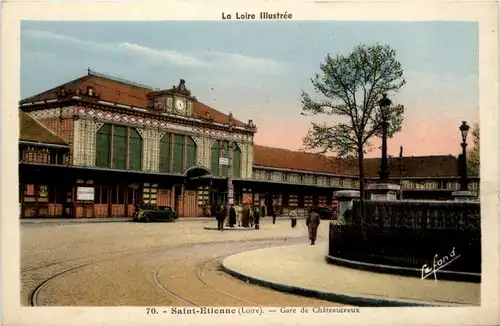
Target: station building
<point>97,145</point>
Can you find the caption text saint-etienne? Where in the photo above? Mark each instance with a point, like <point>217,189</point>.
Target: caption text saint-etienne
<point>262,15</point>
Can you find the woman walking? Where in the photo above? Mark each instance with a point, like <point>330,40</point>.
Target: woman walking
<point>293,217</point>
<point>232,217</point>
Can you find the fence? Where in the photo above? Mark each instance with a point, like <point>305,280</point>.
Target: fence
<point>410,234</point>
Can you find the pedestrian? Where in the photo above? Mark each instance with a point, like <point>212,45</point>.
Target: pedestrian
<point>245,215</point>
<point>232,216</point>
<point>293,217</point>
<point>256,218</point>
<point>312,223</point>
<point>238,214</point>
<point>274,214</point>
<point>220,219</point>
<point>250,217</point>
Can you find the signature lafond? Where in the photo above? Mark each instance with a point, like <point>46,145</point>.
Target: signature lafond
<point>438,264</point>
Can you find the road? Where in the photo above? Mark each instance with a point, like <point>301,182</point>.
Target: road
<point>155,264</point>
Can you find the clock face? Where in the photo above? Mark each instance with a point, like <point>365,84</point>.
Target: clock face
<point>179,105</point>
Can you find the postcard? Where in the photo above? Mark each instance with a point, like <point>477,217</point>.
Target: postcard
<point>277,163</point>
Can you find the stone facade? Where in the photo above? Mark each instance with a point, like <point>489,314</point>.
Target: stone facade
<point>150,149</point>
<point>78,125</point>
<point>84,142</point>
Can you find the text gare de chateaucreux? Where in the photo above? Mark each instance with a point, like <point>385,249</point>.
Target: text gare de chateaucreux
<point>261,15</point>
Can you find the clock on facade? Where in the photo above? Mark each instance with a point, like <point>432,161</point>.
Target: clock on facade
<point>179,105</point>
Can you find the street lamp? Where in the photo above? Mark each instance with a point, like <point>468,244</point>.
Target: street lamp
<point>384,104</point>
<point>464,130</point>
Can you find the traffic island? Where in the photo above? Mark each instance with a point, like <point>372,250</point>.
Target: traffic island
<point>302,270</point>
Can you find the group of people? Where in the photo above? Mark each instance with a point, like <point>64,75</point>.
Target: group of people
<point>243,216</point>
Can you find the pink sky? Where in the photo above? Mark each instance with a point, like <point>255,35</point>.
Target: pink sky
<point>420,136</point>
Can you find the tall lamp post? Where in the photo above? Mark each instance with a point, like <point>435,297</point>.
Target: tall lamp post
<point>464,130</point>
<point>384,104</point>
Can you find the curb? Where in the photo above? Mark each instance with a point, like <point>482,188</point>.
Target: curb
<point>73,222</point>
<point>350,299</point>
<point>404,271</point>
<point>214,228</point>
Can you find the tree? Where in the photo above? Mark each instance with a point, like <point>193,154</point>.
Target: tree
<point>351,86</point>
<point>474,152</point>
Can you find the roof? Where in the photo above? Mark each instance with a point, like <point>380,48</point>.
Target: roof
<point>293,160</point>
<point>114,90</point>
<point>31,130</point>
<point>414,166</point>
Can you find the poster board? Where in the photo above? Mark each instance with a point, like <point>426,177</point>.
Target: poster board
<point>85,193</point>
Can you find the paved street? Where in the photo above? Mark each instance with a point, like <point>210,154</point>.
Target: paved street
<point>123,263</point>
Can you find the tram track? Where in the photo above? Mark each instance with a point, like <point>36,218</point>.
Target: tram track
<point>70,267</point>
<point>199,275</point>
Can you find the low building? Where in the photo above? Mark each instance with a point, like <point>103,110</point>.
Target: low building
<point>113,143</point>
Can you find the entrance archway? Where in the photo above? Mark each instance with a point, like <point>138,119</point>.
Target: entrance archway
<point>197,172</point>
<point>197,191</point>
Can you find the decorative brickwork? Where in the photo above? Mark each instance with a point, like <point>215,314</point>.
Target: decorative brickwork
<point>84,142</point>
<point>202,155</point>
<point>150,149</point>
<point>247,160</point>
<point>207,149</point>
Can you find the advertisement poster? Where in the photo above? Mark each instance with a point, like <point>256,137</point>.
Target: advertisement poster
<point>44,192</point>
<point>30,190</point>
<point>247,198</point>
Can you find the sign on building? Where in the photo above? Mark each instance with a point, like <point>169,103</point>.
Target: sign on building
<point>223,161</point>
<point>85,193</point>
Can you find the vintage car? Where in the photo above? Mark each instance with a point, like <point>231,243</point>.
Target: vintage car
<point>152,213</point>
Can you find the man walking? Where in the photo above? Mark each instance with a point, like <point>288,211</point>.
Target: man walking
<point>312,223</point>
<point>220,219</point>
<point>256,218</point>
<point>274,214</point>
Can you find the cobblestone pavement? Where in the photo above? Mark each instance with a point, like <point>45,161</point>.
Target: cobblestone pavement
<point>135,264</point>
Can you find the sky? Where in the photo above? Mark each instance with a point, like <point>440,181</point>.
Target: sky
<point>258,70</point>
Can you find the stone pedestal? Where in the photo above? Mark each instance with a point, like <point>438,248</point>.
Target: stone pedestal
<point>383,191</point>
<point>464,195</point>
<point>345,198</point>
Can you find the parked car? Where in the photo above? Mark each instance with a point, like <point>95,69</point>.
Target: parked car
<point>152,213</point>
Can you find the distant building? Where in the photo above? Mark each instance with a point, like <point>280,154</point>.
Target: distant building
<point>97,145</point>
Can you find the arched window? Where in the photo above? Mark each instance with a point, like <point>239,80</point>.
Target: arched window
<point>236,161</point>
<point>191,152</point>
<point>103,147</point>
<point>221,149</point>
<point>178,153</point>
<point>165,152</point>
<point>215,158</point>
<point>135,150</point>
<point>119,147</point>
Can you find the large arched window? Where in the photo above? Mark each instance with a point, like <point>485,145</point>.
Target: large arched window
<point>103,147</point>
<point>215,158</point>
<point>222,148</point>
<point>165,151</point>
<point>135,150</point>
<point>119,147</point>
<point>114,144</point>
<point>236,161</point>
<point>191,152</point>
<point>178,153</point>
